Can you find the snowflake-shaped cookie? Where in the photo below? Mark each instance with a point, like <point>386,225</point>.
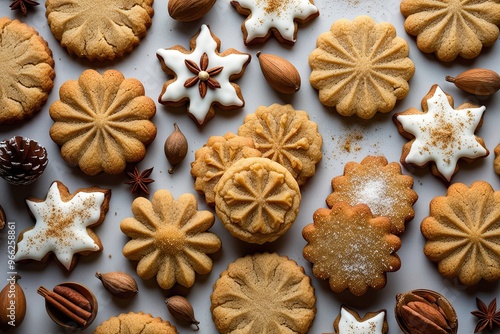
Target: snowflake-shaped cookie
<point>63,223</point>
<point>170,239</point>
<point>202,76</point>
<point>451,28</point>
<point>441,134</point>
<point>277,17</point>
<point>349,322</point>
<point>462,232</point>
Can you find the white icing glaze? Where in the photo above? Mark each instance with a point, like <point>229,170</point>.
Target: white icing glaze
<point>226,95</point>
<point>278,14</point>
<point>349,325</point>
<point>443,134</point>
<point>60,227</point>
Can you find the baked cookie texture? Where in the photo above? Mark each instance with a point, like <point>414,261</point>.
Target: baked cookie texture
<point>287,136</point>
<point>451,28</point>
<point>381,186</point>
<point>135,323</point>
<point>361,67</point>
<point>202,76</point>
<point>215,157</point>
<point>349,321</point>
<point>441,135</point>
<point>462,232</point>
<point>99,30</point>
<point>169,238</point>
<point>257,200</point>
<point>263,293</point>
<point>274,17</point>
<point>102,122</point>
<point>496,163</point>
<point>63,225</point>
<point>26,71</point>
<point>350,248</point>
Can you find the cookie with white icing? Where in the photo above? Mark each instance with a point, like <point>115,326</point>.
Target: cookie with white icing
<point>349,321</point>
<point>274,17</point>
<point>202,76</point>
<point>63,225</point>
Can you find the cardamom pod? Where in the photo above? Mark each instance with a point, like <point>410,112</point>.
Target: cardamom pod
<point>181,309</point>
<point>119,284</point>
<point>279,73</point>
<point>176,147</point>
<point>478,81</point>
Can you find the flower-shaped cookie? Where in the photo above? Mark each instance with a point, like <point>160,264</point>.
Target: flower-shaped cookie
<point>263,293</point>
<point>102,122</point>
<point>381,186</point>
<point>287,136</point>
<point>202,76</point>
<point>351,248</point>
<point>462,232</point>
<point>26,71</point>
<point>217,155</point>
<point>170,239</point>
<point>280,18</point>
<point>360,67</point>
<point>441,134</point>
<point>99,30</point>
<point>63,223</point>
<point>452,28</point>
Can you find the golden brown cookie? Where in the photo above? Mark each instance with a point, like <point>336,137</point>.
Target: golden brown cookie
<point>202,76</point>
<point>349,321</point>
<point>217,155</point>
<point>441,135</point>
<point>462,233</point>
<point>350,248</point>
<point>26,71</point>
<point>257,200</point>
<point>263,293</point>
<point>99,30</point>
<point>102,122</point>
<point>381,186</point>
<point>287,136</point>
<point>63,225</point>
<point>452,28</point>
<point>170,239</point>
<point>361,67</point>
<point>135,323</point>
<point>496,163</point>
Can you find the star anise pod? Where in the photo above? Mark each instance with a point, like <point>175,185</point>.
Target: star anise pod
<point>139,181</point>
<point>23,5</point>
<point>203,76</point>
<point>488,315</point>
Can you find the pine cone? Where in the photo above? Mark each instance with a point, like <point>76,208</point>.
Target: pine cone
<point>22,160</point>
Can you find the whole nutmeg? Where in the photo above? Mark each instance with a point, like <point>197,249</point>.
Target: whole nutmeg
<point>176,147</point>
<point>189,10</point>
<point>12,305</point>
<point>119,284</point>
<point>181,309</point>
<point>279,73</point>
<point>478,81</point>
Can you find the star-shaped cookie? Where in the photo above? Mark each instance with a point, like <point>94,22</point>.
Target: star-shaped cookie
<point>441,135</point>
<point>63,223</point>
<point>202,76</point>
<point>349,321</point>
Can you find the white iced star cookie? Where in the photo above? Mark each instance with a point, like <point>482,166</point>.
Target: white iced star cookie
<point>349,322</point>
<point>277,17</point>
<point>202,76</point>
<point>441,135</point>
<point>63,223</point>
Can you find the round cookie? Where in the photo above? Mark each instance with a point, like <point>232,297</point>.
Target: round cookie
<point>135,323</point>
<point>257,200</point>
<point>26,71</point>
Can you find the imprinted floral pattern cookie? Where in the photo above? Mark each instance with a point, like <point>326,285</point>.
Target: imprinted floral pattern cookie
<point>361,67</point>
<point>170,239</point>
<point>202,76</point>
<point>102,122</point>
<point>135,323</point>
<point>462,233</point>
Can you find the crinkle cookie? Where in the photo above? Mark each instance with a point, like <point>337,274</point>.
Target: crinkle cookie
<point>135,323</point>
<point>99,30</point>
<point>102,122</point>
<point>452,28</point>
<point>26,71</point>
<point>287,136</point>
<point>381,186</point>
<point>215,157</point>
<point>263,293</point>
<point>170,239</point>
<point>462,233</point>
<point>361,67</point>
<point>350,248</point>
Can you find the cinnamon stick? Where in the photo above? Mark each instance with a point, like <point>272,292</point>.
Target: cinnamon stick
<point>51,298</point>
